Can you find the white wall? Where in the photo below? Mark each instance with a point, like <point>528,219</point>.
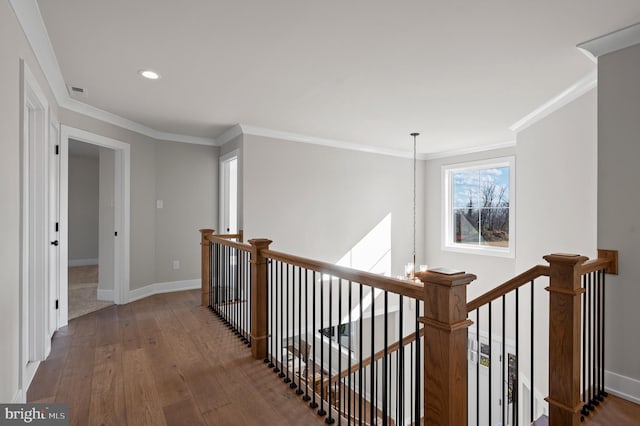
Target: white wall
<point>186,182</point>
<point>556,209</point>
<point>491,270</point>
<point>83,208</point>
<point>319,202</point>
<point>619,211</point>
<point>13,47</point>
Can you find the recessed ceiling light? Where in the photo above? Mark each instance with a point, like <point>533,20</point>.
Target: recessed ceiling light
<point>151,75</point>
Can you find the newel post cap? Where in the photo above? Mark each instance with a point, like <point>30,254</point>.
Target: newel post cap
<point>446,280</point>
<point>260,242</point>
<point>207,231</point>
<point>565,258</point>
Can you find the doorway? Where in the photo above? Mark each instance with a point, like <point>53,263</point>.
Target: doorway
<point>91,209</point>
<point>110,241</point>
<point>229,193</point>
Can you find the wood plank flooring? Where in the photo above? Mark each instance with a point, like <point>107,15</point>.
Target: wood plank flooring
<point>163,360</point>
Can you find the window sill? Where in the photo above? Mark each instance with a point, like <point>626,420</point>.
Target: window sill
<point>480,250</point>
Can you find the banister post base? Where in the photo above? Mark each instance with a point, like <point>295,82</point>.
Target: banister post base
<point>565,291</point>
<point>259,310</point>
<point>206,265</point>
<point>445,347</point>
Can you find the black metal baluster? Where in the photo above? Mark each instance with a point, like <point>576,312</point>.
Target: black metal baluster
<point>531,360</point>
<point>321,411</point>
<point>306,396</point>
<point>339,335</point>
<point>478,367</point>
<point>349,385</point>
<point>418,381</point>
<point>385,408</point>
<point>503,360</point>
<point>299,391</point>
<point>400,365</point>
<point>361,370</point>
<point>313,404</point>
<point>372,398</point>
<point>585,410</point>
<point>590,404</point>
<point>603,393</point>
<point>287,326</point>
<point>330,419</point>
<point>516,387</point>
<point>280,370</point>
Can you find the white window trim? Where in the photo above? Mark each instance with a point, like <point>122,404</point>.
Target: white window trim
<point>447,215</point>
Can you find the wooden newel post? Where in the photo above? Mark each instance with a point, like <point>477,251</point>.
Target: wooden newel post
<point>564,338</point>
<point>445,348</point>
<point>259,310</point>
<point>206,265</point>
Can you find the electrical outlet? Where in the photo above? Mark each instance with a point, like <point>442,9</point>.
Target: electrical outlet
<point>176,264</point>
<point>159,204</point>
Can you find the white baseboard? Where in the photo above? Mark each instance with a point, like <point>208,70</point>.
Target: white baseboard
<point>622,386</point>
<point>19,397</point>
<point>82,262</point>
<point>105,295</point>
<point>166,287</point>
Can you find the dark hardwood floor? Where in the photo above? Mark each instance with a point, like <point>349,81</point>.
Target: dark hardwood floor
<point>162,360</point>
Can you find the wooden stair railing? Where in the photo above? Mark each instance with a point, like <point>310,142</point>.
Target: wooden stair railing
<point>445,325</point>
<point>378,355</point>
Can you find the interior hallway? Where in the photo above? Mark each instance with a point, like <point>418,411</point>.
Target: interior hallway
<point>162,360</point>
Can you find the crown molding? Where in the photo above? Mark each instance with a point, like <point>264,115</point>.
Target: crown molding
<point>30,19</point>
<point>230,134</point>
<point>611,42</point>
<point>470,150</point>
<point>296,137</point>
<point>568,95</point>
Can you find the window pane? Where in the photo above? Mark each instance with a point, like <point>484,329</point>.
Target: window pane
<point>495,226</point>
<point>494,187</point>
<point>466,225</point>
<point>465,189</point>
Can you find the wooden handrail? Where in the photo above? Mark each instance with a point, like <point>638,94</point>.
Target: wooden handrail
<point>225,241</point>
<point>594,265</point>
<point>515,282</point>
<point>378,355</point>
<point>393,285</point>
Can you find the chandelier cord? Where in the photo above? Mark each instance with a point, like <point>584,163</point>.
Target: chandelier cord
<point>414,199</point>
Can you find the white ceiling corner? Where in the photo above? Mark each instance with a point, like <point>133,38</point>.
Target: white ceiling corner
<point>613,41</point>
<point>30,18</point>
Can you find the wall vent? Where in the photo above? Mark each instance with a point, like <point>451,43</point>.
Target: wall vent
<point>77,92</point>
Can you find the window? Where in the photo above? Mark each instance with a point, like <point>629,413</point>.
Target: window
<point>478,200</point>
<point>340,333</point>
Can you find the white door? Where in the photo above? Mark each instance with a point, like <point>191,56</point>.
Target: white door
<point>229,194</point>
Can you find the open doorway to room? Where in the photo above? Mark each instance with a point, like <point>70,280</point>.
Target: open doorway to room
<point>229,193</point>
<point>90,200</point>
<point>94,202</point>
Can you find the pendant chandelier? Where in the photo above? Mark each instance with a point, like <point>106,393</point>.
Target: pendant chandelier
<point>410,268</point>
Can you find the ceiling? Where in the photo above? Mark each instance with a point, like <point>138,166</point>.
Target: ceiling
<point>365,72</point>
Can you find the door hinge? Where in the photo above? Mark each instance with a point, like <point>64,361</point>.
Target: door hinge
<point>57,149</point>
<point>57,227</point>
<point>57,307</point>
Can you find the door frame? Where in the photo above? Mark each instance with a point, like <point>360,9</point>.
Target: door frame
<point>34,237</point>
<point>224,193</point>
<point>121,215</point>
